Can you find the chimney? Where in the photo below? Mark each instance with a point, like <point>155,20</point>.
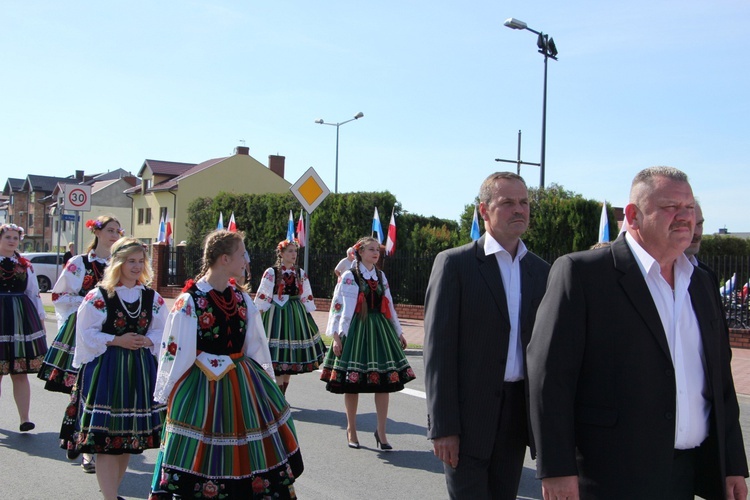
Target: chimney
<point>242,150</point>
<point>79,175</point>
<point>276,164</point>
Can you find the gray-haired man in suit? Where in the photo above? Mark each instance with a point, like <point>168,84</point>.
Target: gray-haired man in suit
<point>479,314</point>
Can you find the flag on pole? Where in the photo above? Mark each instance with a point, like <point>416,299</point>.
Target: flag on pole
<point>301,236</point>
<point>161,235</point>
<point>290,228</point>
<point>232,227</point>
<point>168,233</point>
<point>220,225</point>
<point>475,226</point>
<point>390,242</point>
<point>728,286</point>
<point>376,227</point>
<point>604,225</point>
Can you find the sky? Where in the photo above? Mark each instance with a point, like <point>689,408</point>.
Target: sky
<point>443,85</point>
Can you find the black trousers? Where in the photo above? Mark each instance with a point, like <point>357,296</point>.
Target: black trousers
<point>496,478</point>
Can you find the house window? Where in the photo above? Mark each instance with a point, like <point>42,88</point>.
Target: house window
<point>148,216</point>
<point>10,219</point>
<point>140,216</point>
<point>57,226</point>
<point>32,197</point>
<point>47,219</point>
<point>11,199</point>
<point>162,213</point>
<point>31,221</point>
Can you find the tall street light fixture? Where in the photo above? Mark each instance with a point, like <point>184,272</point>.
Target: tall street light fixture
<point>337,125</point>
<point>547,48</point>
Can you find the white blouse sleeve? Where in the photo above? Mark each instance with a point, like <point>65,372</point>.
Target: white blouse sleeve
<point>158,321</point>
<point>32,292</point>
<point>91,342</point>
<point>256,343</point>
<point>306,297</point>
<point>342,305</point>
<point>264,295</point>
<point>65,292</point>
<point>177,352</point>
<point>394,317</point>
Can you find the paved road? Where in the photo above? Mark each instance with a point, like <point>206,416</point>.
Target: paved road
<point>33,467</point>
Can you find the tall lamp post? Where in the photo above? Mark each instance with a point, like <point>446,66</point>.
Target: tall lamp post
<point>547,48</point>
<point>337,125</point>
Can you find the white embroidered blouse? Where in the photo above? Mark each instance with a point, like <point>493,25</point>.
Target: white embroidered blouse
<point>267,294</point>
<point>65,296</point>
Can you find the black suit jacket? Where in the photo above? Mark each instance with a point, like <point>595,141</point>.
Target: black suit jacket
<point>602,382</point>
<point>466,341</point>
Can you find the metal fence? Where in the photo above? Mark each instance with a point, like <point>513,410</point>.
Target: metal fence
<point>408,276</point>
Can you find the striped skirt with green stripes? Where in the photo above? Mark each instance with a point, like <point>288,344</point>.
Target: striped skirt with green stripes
<point>115,409</point>
<point>293,338</point>
<point>228,438</point>
<point>57,368</point>
<point>371,360</point>
<point>23,342</point>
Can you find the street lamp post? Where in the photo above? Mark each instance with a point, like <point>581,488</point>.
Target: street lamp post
<point>547,48</point>
<point>337,125</point>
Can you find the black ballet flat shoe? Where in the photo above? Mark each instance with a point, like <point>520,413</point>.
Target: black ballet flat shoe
<point>26,426</point>
<point>382,446</point>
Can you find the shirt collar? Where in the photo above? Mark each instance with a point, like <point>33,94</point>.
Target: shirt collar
<point>13,258</point>
<point>138,286</point>
<point>93,257</point>
<point>693,260</point>
<point>368,275</point>
<point>491,246</point>
<point>682,266</point>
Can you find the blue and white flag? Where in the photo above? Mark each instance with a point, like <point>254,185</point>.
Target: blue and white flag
<point>475,226</point>
<point>290,228</point>
<point>162,235</point>
<point>728,287</point>
<point>604,225</point>
<point>376,227</point>
<point>220,225</point>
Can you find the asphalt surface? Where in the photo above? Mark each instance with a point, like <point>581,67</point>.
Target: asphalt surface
<point>34,467</point>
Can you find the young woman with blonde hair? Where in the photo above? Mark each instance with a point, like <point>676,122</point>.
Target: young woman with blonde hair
<point>118,332</point>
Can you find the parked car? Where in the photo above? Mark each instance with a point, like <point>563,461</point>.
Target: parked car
<point>45,268</point>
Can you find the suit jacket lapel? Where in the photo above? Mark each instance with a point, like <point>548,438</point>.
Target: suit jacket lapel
<point>702,309</point>
<point>635,288</point>
<point>490,272</point>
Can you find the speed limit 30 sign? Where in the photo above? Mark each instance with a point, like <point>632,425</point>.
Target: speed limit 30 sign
<point>77,197</point>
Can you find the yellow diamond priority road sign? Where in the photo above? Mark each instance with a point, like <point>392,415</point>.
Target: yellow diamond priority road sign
<point>310,190</point>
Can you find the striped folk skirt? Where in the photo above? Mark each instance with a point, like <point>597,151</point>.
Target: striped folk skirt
<point>293,338</point>
<point>371,360</point>
<point>112,410</point>
<point>57,368</point>
<point>229,438</point>
<point>23,342</point>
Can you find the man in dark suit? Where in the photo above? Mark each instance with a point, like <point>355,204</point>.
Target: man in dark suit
<point>630,382</point>
<point>479,313</point>
<point>695,245</point>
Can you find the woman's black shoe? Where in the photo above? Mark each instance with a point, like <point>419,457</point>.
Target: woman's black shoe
<point>26,426</point>
<point>383,446</point>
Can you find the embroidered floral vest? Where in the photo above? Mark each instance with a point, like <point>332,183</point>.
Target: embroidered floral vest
<point>290,284</point>
<point>92,277</point>
<point>13,275</point>
<point>220,332</point>
<point>118,321</point>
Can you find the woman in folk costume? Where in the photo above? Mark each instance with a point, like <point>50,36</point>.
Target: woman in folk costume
<point>285,299</point>
<point>79,276</point>
<point>23,342</point>
<point>118,331</point>
<point>229,431</point>
<point>367,354</point>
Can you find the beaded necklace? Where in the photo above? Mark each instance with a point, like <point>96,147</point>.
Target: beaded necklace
<point>227,306</point>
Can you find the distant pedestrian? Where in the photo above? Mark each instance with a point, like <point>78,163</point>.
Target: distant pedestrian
<point>23,342</point>
<point>119,329</point>
<point>346,263</point>
<point>367,353</point>
<point>230,432</point>
<point>286,301</point>
<point>70,253</point>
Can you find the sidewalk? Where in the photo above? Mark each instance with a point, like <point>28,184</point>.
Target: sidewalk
<point>414,333</point>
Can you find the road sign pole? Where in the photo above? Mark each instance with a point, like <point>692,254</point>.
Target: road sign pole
<point>307,243</point>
